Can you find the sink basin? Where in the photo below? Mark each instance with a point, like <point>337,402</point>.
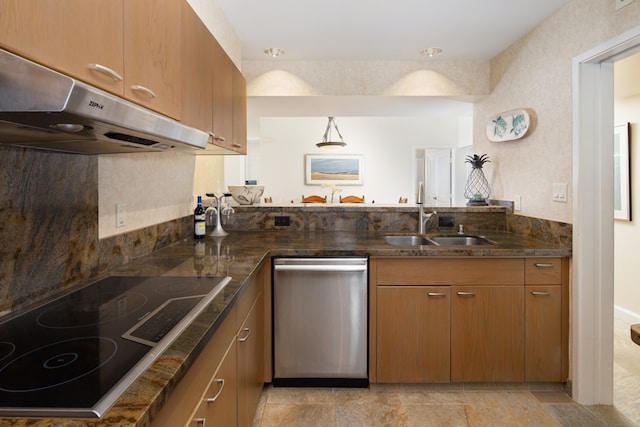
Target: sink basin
<point>405,240</point>
<point>461,240</point>
<point>449,240</point>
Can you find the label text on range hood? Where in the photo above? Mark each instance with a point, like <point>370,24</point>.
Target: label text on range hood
<point>95,105</point>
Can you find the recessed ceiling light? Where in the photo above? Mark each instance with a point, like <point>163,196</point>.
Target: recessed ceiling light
<point>274,52</point>
<point>431,52</point>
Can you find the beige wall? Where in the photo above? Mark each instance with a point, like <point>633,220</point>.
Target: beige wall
<point>535,73</point>
<point>627,234</point>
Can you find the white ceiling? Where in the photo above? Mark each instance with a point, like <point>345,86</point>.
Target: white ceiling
<point>398,30</point>
<point>383,29</point>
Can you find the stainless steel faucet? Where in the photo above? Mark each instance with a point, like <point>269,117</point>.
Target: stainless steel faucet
<point>422,217</point>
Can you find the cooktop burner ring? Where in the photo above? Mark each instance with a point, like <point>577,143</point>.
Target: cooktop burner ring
<point>6,349</point>
<point>56,364</point>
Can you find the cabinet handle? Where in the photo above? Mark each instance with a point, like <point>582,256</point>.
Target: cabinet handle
<point>436,294</point>
<point>543,265</point>
<point>200,422</point>
<point>246,337</point>
<point>466,294</point>
<point>106,71</point>
<point>236,145</point>
<point>214,398</point>
<point>144,90</point>
<point>544,294</point>
<point>216,137</point>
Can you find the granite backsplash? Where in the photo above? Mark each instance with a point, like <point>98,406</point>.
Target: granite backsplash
<point>49,225</point>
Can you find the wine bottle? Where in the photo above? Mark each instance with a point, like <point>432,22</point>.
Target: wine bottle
<point>199,224</point>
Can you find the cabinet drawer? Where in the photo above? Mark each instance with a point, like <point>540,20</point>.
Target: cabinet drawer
<point>543,271</point>
<point>450,271</point>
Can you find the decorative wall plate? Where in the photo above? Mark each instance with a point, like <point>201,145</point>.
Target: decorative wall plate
<point>508,126</point>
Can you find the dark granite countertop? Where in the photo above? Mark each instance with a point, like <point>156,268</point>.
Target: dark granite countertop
<point>240,255</point>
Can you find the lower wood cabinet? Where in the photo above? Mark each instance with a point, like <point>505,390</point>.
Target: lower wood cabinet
<point>218,405</point>
<point>250,341</point>
<point>413,334</point>
<point>223,386</point>
<point>468,320</point>
<point>487,334</point>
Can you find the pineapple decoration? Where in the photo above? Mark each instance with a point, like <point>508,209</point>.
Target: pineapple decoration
<point>477,189</point>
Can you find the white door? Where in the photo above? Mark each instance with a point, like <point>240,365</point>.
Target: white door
<point>437,165</point>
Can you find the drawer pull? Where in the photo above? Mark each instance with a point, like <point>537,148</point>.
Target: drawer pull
<point>540,293</point>
<point>437,294</point>
<point>246,337</point>
<point>148,92</point>
<point>106,71</point>
<point>466,294</point>
<point>200,422</point>
<point>543,265</point>
<point>214,398</point>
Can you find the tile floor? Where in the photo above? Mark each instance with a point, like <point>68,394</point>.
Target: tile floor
<point>471,405</point>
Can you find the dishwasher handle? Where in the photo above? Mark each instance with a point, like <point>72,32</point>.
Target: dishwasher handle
<point>322,267</point>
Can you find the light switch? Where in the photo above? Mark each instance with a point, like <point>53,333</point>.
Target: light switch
<point>560,191</point>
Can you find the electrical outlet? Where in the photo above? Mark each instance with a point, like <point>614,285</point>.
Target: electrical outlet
<point>445,221</point>
<point>121,218</point>
<point>622,3</point>
<point>282,221</point>
<point>517,203</point>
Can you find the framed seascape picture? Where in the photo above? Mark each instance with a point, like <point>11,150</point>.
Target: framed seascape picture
<point>333,169</point>
<point>621,173</point>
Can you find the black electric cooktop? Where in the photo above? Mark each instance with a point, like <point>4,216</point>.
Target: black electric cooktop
<point>74,356</point>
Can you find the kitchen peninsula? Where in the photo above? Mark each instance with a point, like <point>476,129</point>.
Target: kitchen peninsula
<point>324,231</point>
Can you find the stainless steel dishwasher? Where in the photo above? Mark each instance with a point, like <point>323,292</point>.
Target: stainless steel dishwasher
<point>320,322</point>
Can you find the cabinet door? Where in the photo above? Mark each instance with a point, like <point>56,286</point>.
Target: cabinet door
<point>250,363</point>
<point>239,109</point>
<point>219,404</point>
<point>413,337</point>
<point>81,38</point>
<point>487,334</point>
<point>222,97</point>
<point>152,54</point>
<point>543,334</point>
<point>197,83</point>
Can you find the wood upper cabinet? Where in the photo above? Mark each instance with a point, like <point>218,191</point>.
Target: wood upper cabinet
<point>413,334</point>
<point>152,54</point>
<point>222,97</point>
<point>487,334</point>
<point>239,108</point>
<point>197,71</point>
<point>80,38</point>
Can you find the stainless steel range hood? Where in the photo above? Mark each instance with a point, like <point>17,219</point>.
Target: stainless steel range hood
<point>41,108</point>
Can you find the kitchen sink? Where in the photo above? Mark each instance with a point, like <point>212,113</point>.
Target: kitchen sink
<point>461,240</point>
<point>448,240</point>
<point>404,240</point>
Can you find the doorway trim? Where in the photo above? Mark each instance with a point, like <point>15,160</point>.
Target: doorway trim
<point>592,281</point>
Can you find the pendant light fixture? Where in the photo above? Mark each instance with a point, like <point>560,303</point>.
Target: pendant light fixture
<point>328,144</point>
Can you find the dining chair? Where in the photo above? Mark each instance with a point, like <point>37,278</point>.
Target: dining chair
<point>352,199</point>
<point>314,199</point>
